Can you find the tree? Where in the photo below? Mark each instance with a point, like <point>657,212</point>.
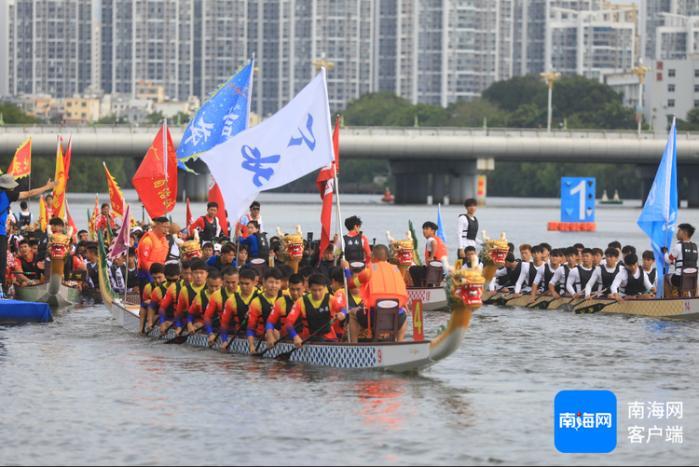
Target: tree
<point>11,114</point>
<point>472,114</point>
<point>155,117</point>
<point>111,119</point>
<point>511,94</point>
<point>379,109</point>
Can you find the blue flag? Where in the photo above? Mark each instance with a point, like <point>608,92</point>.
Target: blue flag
<point>222,116</point>
<point>440,226</point>
<point>659,215</point>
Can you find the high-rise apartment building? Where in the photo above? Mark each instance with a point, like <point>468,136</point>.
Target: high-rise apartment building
<point>591,43</point>
<point>48,46</point>
<point>663,14</point>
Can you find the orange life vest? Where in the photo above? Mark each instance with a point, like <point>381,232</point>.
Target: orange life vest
<point>440,249</point>
<point>160,246</point>
<point>386,282</point>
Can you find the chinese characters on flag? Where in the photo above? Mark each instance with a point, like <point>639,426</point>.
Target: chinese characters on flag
<point>21,165</point>
<point>156,189</point>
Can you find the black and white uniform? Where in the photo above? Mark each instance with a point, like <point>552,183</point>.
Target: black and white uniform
<point>530,274</point>
<point>468,231</point>
<point>560,278</point>
<point>631,284</point>
<point>686,256</point>
<point>602,279</point>
<point>543,280</point>
<point>578,279</point>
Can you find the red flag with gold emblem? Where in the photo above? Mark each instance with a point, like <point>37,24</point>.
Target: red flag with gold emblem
<point>116,197</point>
<point>157,188</point>
<point>21,165</point>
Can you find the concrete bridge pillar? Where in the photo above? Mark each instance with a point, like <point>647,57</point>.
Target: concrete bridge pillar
<point>418,179</point>
<point>196,186</point>
<point>646,173</point>
<point>691,174</point>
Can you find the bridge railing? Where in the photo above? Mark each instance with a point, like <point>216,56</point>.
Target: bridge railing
<point>369,131</point>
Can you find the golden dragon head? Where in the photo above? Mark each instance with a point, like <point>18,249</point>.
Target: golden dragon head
<point>292,244</point>
<point>59,244</point>
<point>465,287</point>
<point>401,250</point>
<point>191,248</point>
<point>494,251</point>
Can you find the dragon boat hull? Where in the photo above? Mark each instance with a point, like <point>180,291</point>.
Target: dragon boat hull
<point>57,296</point>
<point>676,308</point>
<point>433,298</point>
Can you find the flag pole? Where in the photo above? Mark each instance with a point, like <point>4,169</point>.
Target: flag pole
<point>342,243</point>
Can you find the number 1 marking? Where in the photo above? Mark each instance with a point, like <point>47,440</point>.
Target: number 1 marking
<point>580,189</point>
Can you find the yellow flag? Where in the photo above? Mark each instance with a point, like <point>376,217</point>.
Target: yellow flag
<point>59,191</point>
<point>43,221</point>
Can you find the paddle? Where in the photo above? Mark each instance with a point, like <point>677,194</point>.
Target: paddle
<point>540,304</point>
<point>181,339</point>
<point>284,357</point>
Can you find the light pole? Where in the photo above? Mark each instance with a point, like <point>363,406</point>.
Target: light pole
<point>323,63</point>
<point>640,72</point>
<point>550,77</point>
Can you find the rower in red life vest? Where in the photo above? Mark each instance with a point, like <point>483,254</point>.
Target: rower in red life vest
<point>262,306</point>
<point>157,275</point>
<point>172,277</point>
<point>379,281</point>
<point>235,312</point>
<point>315,312</point>
<point>212,315</point>
<point>28,269</point>
<point>275,328</point>
<point>339,301</point>
<point>195,314</point>
<point>208,225</point>
<point>189,293</point>
<point>168,305</point>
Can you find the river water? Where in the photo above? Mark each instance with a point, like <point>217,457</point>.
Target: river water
<point>80,390</point>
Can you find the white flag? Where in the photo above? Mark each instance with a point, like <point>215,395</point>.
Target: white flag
<point>295,141</point>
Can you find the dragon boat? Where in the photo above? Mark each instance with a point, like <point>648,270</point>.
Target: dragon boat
<point>677,308</point>
<point>57,292</point>
<point>464,290</point>
<point>402,252</point>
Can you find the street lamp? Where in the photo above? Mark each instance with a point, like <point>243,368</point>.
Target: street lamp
<point>640,72</point>
<point>550,77</point>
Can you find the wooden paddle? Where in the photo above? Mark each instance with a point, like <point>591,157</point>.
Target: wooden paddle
<point>181,339</point>
<point>284,357</point>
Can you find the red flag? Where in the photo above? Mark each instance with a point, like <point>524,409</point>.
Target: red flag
<point>215,196</point>
<point>21,165</point>
<point>71,224</point>
<point>188,219</point>
<point>158,191</point>
<point>67,157</point>
<point>326,187</point>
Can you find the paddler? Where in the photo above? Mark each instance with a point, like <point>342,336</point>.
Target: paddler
<point>532,268</point>
<point>225,260</point>
<point>172,277</point>
<point>632,280</point>
<point>542,281</point>
<point>212,315</point>
<point>195,314</point>
<point>357,249</point>
<point>378,281</point>
<point>468,227</point>
<point>559,281</point>
<point>208,225</point>
<point>649,267</point>
<point>153,248</point>
<point>189,293</point>
<point>157,275</point>
<point>235,311</point>
<point>28,269</point>
<point>168,305</point>
<point>339,300</point>
<point>579,277</point>
<point>315,312</point>
<point>262,306</point>
<point>603,275</point>
<point>275,328</point>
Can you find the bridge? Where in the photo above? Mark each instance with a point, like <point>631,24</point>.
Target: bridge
<point>435,162</point>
